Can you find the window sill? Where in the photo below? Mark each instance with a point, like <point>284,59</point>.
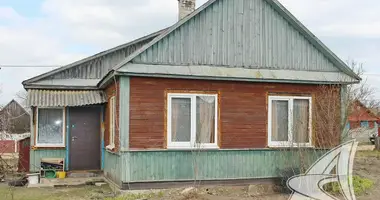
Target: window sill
<point>48,147</point>
<point>193,148</point>
<point>291,147</point>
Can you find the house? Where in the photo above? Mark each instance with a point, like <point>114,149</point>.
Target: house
<point>14,119</point>
<point>225,84</point>
<point>361,116</point>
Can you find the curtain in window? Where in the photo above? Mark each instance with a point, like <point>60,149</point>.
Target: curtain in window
<point>181,119</point>
<point>279,121</point>
<point>205,119</point>
<point>50,126</point>
<point>301,121</point>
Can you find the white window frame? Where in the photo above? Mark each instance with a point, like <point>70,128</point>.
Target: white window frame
<point>290,142</point>
<point>112,123</point>
<point>192,144</point>
<point>63,144</point>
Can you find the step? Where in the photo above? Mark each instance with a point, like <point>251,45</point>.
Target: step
<point>84,174</point>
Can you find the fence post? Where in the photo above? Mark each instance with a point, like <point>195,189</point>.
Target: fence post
<point>377,143</point>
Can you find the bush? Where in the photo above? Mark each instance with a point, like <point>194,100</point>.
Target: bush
<point>361,186</point>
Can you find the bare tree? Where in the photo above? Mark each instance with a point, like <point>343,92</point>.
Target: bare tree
<point>21,97</point>
<point>332,106</point>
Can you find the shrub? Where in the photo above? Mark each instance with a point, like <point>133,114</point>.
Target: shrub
<point>361,186</point>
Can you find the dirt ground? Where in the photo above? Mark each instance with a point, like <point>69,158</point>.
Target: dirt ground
<point>367,165</point>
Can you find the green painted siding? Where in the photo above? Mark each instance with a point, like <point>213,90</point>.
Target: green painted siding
<point>211,165</point>
<point>36,155</point>
<point>124,112</point>
<point>112,167</point>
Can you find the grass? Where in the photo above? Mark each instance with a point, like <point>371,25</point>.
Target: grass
<point>361,186</point>
<point>22,193</point>
<point>362,154</point>
<point>135,196</point>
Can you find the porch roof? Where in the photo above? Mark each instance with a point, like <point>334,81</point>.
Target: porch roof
<point>60,98</point>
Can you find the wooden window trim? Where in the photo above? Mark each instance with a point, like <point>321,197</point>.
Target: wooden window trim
<point>112,123</point>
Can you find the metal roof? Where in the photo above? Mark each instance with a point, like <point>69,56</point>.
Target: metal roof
<point>61,98</point>
<point>85,64</point>
<point>236,74</point>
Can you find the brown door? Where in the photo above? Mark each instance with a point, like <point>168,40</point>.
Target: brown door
<point>84,138</point>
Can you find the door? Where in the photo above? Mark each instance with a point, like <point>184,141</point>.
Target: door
<point>84,138</point>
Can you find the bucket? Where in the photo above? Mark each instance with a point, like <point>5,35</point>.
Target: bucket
<point>49,173</point>
<point>61,174</point>
<point>33,179</point>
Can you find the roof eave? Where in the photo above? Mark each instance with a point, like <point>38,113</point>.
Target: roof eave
<point>235,79</point>
<point>61,87</point>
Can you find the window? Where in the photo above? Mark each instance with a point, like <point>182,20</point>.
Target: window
<point>50,127</point>
<point>289,121</point>
<point>192,121</point>
<point>364,124</point>
<point>112,123</point>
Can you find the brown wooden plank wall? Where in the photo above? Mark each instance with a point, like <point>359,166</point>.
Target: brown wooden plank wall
<point>242,106</point>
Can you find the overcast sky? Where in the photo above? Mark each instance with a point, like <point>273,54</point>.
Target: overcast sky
<point>57,32</point>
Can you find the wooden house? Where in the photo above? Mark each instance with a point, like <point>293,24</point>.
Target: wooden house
<point>226,82</point>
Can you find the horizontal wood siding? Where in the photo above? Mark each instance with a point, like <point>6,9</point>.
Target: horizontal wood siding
<point>243,109</point>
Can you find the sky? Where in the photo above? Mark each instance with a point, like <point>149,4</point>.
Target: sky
<point>55,32</point>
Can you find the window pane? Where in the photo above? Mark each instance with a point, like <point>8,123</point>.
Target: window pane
<point>50,126</point>
<point>181,119</point>
<point>205,119</point>
<point>301,121</point>
<point>280,121</point>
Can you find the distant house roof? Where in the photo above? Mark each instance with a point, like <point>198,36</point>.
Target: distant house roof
<point>103,66</point>
<point>360,112</point>
<point>14,118</point>
<point>14,105</point>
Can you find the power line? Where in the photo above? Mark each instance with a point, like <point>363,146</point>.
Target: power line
<point>371,74</point>
<point>29,66</point>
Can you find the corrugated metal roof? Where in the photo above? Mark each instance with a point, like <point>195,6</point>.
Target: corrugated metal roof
<point>59,98</point>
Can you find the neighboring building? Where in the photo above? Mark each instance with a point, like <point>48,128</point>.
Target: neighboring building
<point>14,119</point>
<point>361,116</point>
<point>229,79</point>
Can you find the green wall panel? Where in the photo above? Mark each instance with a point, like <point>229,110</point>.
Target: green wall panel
<point>36,155</point>
<point>212,165</point>
<point>112,167</point>
<point>124,112</point>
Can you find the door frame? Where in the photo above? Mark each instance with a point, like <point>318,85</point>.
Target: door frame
<point>68,136</point>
